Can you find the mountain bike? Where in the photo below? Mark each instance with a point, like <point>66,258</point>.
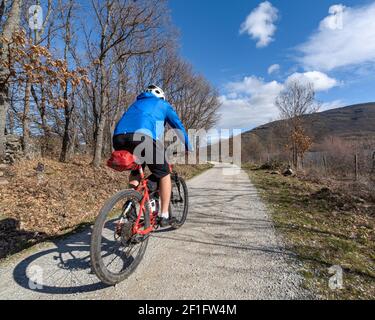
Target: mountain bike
<point>122,230</point>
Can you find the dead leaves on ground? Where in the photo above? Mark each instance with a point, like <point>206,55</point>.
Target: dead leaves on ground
<point>61,198</point>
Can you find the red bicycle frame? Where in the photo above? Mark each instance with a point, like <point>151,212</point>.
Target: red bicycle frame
<point>143,189</point>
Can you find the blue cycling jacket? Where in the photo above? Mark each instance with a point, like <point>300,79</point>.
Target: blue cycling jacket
<point>148,115</point>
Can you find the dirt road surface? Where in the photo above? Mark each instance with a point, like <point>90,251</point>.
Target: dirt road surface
<point>228,249</point>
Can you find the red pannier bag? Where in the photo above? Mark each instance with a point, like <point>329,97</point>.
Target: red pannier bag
<point>123,161</point>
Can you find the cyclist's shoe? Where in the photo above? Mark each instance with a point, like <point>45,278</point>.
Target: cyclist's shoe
<point>166,222</point>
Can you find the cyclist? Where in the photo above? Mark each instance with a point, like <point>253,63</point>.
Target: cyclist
<point>143,124</point>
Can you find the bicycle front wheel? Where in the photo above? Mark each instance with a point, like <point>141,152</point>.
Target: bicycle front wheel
<point>115,251</point>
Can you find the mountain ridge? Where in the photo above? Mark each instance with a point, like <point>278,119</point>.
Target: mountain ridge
<point>351,123</point>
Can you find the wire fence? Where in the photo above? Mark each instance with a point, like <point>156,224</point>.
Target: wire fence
<point>351,165</point>
<point>344,165</point>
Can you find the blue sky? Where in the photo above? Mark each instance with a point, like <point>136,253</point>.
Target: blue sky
<point>329,43</point>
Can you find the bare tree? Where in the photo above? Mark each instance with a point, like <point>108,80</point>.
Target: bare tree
<point>124,27</point>
<point>10,26</point>
<point>68,103</point>
<point>129,44</point>
<point>36,36</point>
<point>194,99</point>
<point>297,100</point>
<point>3,5</point>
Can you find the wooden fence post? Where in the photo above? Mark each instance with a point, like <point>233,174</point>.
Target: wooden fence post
<point>325,164</point>
<point>356,166</point>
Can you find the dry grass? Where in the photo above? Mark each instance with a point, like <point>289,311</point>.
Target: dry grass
<point>190,171</point>
<point>324,226</point>
<point>36,207</point>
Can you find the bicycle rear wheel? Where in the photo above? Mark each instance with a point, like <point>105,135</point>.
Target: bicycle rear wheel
<point>179,207</point>
<point>115,251</point>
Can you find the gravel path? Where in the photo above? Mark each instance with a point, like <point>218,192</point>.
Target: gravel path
<point>227,250</point>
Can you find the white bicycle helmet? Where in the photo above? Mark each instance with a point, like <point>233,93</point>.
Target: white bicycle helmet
<point>156,91</point>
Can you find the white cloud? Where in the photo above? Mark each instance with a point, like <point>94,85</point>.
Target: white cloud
<point>335,20</point>
<point>249,103</point>
<point>345,38</point>
<point>320,81</point>
<point>260,24</point>
<point>274,68</point>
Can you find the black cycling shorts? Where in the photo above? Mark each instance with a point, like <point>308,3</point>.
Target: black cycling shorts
<point>154,156</point>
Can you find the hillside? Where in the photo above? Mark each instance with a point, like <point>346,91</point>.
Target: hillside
<point>350,123</point>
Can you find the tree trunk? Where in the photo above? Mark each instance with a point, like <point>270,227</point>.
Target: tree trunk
<point>11,122</point>
<point>10,26</point>
<point>66,137</point>
<point>99,138</point>
<point>295,156</point>
<point>73,142</point>
<point>68,108</point>
<point>4,104</point>
<point>25,120</point>
<point>99,135</point>
<point>41,105</point>
<point>45,127</point>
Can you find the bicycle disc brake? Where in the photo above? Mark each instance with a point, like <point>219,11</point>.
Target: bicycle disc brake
<point>126,233</point>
